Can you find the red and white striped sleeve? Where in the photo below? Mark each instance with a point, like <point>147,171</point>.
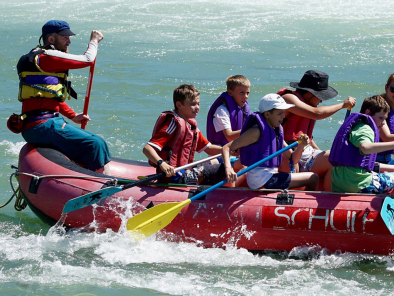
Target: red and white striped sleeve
<point>57,61</point>
<point>164,134</point>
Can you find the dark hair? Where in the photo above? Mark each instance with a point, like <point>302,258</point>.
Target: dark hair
<point>184,92</point>
<point>391,78</point>
<point>45,39</point>
<point>375,104</point>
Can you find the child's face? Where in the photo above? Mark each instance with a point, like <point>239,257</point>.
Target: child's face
<point>275,117</point>
<point>189,108</point>
<point>240,94</point>
<point>379,118</point>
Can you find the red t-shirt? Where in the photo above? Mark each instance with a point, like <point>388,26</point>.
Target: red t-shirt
<point>168,130</point>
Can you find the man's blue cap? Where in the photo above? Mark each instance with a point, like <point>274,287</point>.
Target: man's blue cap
<point>58,27</point>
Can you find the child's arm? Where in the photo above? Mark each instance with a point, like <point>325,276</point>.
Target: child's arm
<point>296,155</point>
<point>231,135</point>
<point>385,134</point>
<point>213,149</point>
<point>251,136</point>
<point>386,167</point>
<point>222,123</point>
<point>368,148</point>
<point>152,155</point>
<point>231,176</point>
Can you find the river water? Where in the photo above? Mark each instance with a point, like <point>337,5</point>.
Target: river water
<point>150,47</point>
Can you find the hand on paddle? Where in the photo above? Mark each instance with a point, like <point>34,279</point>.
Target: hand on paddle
<point>96,36</point>
<point>167,169</point>
<point>231,175</point>
<point>349,102</point>
<point>80,117</point>
<point>303,140</point>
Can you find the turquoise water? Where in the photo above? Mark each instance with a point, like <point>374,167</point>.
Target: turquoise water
<point>149,48</point>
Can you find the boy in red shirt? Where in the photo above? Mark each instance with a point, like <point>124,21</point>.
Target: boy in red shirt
<point>176,138</point>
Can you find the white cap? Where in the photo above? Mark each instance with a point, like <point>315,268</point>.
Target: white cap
<point>273,101</point>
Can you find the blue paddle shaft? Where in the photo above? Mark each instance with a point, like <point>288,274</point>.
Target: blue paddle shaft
<point>348,112</point>
<point>197,196</point>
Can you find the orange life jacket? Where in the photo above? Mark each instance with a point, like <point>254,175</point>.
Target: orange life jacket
<point>295,125</point>
<point>180,149</point>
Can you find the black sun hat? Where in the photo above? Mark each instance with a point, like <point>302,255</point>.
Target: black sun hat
<point>316,82</point>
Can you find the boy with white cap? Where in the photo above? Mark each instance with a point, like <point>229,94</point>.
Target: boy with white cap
<point>261,136</point>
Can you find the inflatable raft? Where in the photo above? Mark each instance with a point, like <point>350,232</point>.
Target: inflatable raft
<point>257,220</point>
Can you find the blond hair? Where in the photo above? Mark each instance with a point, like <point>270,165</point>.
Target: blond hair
<point>233,81</point>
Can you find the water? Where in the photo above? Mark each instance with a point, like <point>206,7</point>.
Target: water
<point>149,48</point>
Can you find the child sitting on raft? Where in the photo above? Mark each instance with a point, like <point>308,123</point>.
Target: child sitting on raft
<point>176,138</point>
<point>261,136</point>
<point>354,150</point>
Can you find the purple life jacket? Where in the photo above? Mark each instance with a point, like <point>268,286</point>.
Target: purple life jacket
<point>237,118</point>
<point>390,124</point>
<point>270,141</point>
<point>344,153</point>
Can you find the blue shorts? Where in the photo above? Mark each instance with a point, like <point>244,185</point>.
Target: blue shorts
<point>280,180</point>
<point>384,158</point>
<point>81,146</point>
<point>381,183</point>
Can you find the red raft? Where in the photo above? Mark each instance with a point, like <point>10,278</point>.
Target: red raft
<point>257,220</point>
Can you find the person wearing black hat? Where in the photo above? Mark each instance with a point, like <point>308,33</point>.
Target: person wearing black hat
<point>310,91</point>
<point>43,88</point>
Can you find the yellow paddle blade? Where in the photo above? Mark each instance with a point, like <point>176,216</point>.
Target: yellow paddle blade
<point>156,218</point>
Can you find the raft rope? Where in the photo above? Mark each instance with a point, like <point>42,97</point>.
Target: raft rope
<point>20,202</point>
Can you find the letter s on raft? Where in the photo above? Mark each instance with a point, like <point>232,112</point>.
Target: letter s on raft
<point>282,215</point>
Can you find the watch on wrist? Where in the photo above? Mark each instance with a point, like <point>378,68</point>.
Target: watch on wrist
<point>159,162</point>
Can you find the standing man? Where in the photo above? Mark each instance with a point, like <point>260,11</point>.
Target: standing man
<point>43,88</point>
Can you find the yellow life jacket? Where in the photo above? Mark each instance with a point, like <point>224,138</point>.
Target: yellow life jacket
<point>41,84</point>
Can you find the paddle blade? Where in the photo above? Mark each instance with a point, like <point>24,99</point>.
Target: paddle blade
<point>387,213</point>
<point>89,199</point>
<point>156,218</point>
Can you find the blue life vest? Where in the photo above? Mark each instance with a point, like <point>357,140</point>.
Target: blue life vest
<point>237,118</point>
<point>343,153</point>
<point>270,141</point>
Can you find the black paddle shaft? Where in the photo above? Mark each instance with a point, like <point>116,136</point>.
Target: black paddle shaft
<point>147,179</point>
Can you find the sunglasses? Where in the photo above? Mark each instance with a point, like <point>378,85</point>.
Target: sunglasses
<point>391,88</point>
